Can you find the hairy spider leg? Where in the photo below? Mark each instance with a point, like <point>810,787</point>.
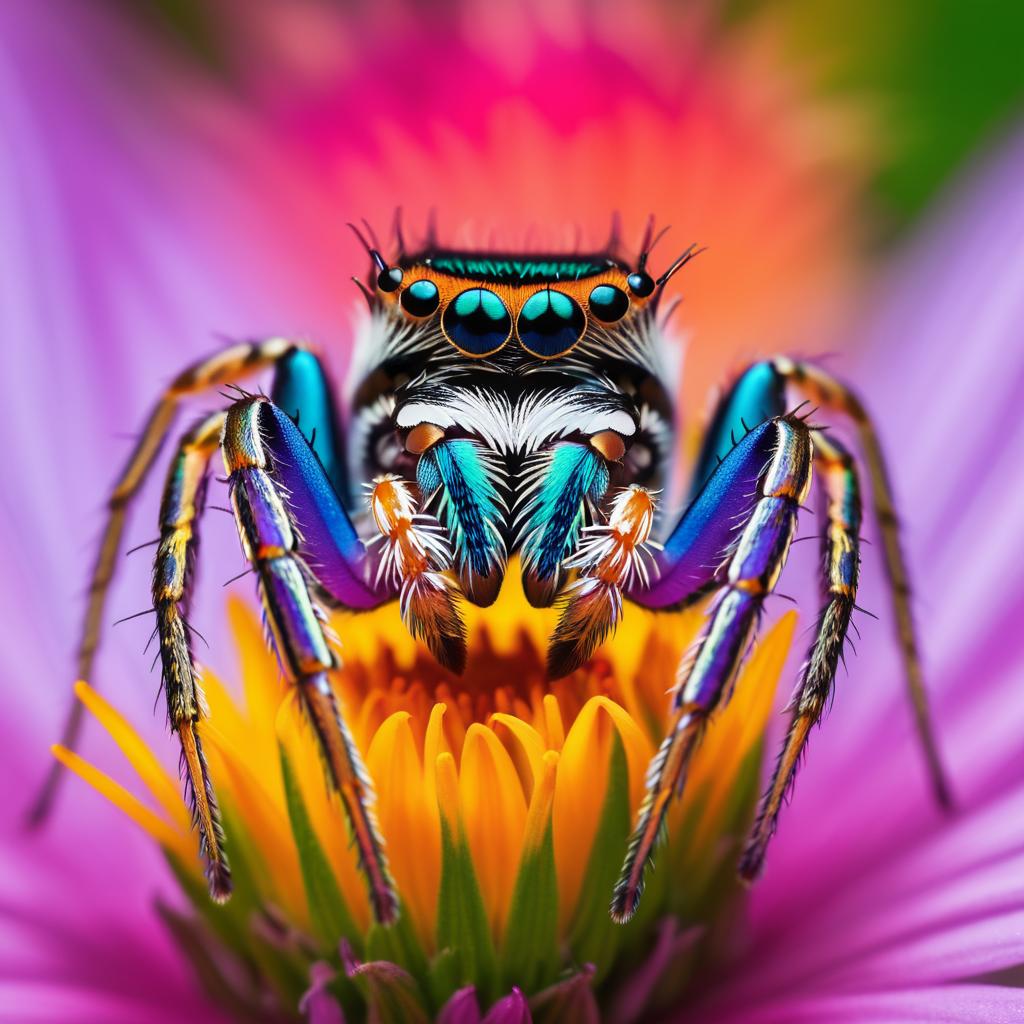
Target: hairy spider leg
<point>221,368</point>
<point>779,452</point>
<point>253,448</point>
<point>173,572</point>
<point>837,476</point>
<point>828,393</point>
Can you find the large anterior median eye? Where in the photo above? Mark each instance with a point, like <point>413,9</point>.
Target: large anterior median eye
<point>477,322</point>
<point>550,324</point>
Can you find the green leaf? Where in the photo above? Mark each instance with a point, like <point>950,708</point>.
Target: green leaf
<point>462,925</point>
<point>594,937</point>
<point>530,949</point>
<point>327,907</point>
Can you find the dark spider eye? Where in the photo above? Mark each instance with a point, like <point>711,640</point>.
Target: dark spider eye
<point>477,323</point>
<point>640,284</point>
<point>608,303</point>
<point>550,324</point>
<point>389,279</point>
<point>420,298</point>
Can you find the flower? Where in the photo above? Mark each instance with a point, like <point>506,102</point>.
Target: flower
<point>505,809</point>
<point>873,907</point>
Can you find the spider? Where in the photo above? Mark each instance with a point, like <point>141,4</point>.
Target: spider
<point>507,404</point>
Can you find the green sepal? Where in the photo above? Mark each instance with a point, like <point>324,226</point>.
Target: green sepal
<point>389,990</point>
<point>327,908</point>
<point>462,925</point>
<point>444,977</point>
<point>283,969</point>
<point>400,944</point>
<point>530,948</point>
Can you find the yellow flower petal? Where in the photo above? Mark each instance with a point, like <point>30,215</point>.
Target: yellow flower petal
<point>447,785</point>
<point>553,722</point>
<point>581,786</point>
<point>539,815</point>
<point>494,816</point>
<point>165,789</point>
<point>264,819</point>
<point>529,742</point>
<point>408,819</point>
<point>170,838</point>
<point>325,812</point>
<point>262,684</point>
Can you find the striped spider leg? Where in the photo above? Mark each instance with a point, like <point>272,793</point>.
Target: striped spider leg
<point>303,549</point>
<point>760,483</point>
<point>215,371</point>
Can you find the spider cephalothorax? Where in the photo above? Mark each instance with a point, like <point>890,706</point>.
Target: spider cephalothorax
<point>514,392</point>
<point>507,404</point>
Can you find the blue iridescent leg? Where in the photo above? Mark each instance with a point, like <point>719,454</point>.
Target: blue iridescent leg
<point>779,454</point>
<point>303,390</point>
<point>266,456</point>
<point>724,490</point>
<point>828,393</point>
<point>837,477</point>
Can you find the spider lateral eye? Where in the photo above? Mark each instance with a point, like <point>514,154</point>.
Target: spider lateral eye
<point>641,284</point>
<point>550,324</point>
<point>389,279</point>
<point>421,298</point>
<point>608,303</point>
<point>477,322</point>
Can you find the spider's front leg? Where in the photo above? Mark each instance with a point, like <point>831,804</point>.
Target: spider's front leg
<point>267,457</point>
<point>761,484</point>
<point>729,476</point>
<point>295,544</point>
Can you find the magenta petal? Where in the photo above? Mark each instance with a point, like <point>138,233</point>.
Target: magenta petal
<point>632,999</point>
<point>317,1004</point>
<point>572,999</point>
<point>868,887</point>
<point>943,1004</point>
<point>512,1009</point>
<point>462,1008</point>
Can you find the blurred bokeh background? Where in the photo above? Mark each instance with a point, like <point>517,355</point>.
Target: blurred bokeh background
<point>939,80</point>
